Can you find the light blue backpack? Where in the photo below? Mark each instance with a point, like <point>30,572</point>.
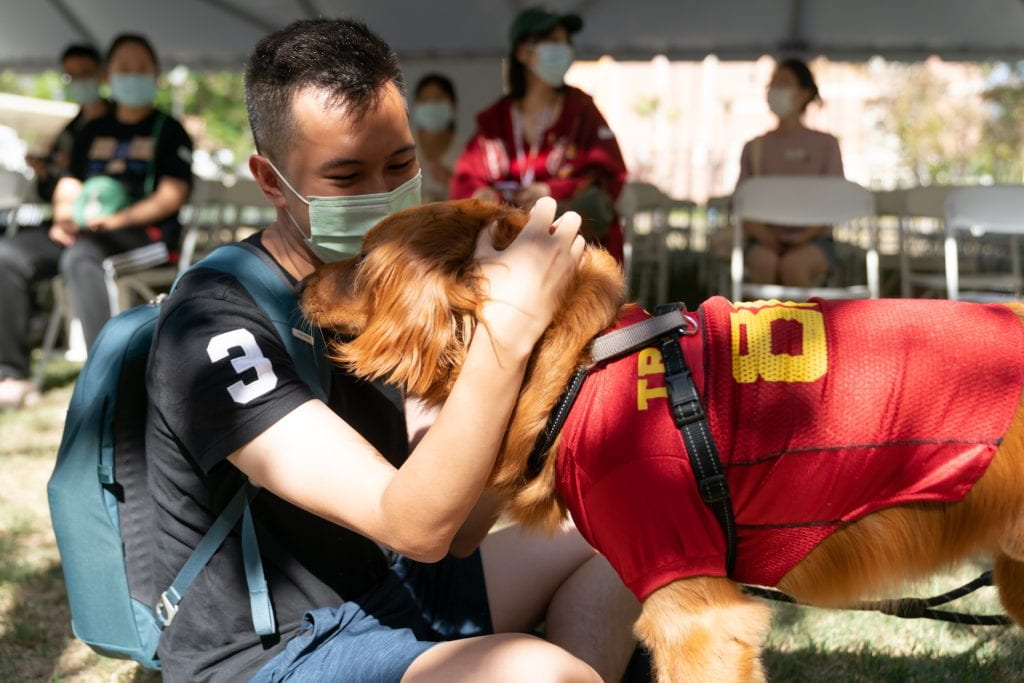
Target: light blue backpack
<point>101,510</point>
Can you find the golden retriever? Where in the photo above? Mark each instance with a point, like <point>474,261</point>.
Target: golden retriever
<point>405,311</point>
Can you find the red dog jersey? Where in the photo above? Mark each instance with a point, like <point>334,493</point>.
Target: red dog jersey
<point>822,412</point>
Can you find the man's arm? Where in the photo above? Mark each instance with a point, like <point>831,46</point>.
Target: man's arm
<point>418,509</point>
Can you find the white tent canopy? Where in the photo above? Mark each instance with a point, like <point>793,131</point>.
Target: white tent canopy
<point>212,33</point>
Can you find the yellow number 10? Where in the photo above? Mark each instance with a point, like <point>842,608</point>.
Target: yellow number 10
<point>797,352</point>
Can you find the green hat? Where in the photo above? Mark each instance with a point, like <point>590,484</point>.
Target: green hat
<point>536,21</point>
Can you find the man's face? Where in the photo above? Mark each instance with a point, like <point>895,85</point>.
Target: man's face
<point>333,154</point>
<point>78,67</point>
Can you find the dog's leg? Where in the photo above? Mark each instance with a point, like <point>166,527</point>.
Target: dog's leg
<point>1009,578</point>
<point>704,629</point>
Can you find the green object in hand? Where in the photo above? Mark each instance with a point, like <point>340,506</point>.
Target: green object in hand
<point>100,197</point>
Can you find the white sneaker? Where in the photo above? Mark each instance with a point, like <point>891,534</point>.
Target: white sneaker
<point>17,393</point>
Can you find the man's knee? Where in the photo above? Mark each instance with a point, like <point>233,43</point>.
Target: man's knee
<point>761,264</point>
<point>501,658</point>
<point>81,253</point>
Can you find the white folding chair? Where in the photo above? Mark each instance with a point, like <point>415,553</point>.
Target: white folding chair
<point>921,234</point>
<point>802,200</point>
<point>14,189</point>
<point>997,209</point>
<point>649,236</point>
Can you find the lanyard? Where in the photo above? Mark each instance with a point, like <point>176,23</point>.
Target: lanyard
<point>526,164</point>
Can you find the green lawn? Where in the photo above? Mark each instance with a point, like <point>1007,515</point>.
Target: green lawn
<point>805,644</point>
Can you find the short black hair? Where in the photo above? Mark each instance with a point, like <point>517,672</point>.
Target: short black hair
<point>136,38</point>
<point>81,50</point>
<point>342,57</point>
<point>804,77</point>
<point>441,81</point>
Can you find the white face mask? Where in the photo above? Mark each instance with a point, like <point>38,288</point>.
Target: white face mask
<point>780,100</point>
<point>337,224</point>
<point>553,60</point>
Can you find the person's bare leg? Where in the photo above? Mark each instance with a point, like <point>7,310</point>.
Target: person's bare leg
<point>500,658</point>
<point>803,266</point>
<point>532,576</point>
<point>762,265</point>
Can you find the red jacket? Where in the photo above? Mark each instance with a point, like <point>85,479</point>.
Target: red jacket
<point>822,413</point>
<point>577,149</point>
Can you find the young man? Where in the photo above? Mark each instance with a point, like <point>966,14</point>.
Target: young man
<point>378,557</point>
<point>82,73</point>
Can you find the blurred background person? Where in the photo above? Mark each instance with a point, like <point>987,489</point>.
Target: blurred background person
<point>128,176</point>
<point>786,255</point>
<point>545,137</point>
<point>82,73</point>
<point>438,146</point>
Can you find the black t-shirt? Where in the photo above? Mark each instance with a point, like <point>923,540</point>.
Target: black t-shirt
<point>127,152</point>
<point>195,420</point>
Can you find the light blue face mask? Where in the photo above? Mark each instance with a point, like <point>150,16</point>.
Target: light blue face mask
<point>82,90</point>
<point>433,117</point>
<point>553,60</point>
<point>133,90</point>
<point>337,224</point>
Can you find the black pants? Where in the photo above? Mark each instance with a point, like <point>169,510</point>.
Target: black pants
<point>30,256</point>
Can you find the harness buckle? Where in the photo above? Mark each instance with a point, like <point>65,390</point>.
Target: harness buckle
<point>714,489</point>
<point>165,610</point>
<point>686,406</point>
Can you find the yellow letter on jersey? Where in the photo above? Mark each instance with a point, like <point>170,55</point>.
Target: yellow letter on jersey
<point>758,361</point>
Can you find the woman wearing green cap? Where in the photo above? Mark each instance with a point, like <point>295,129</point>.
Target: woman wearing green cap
<point>545,138</point>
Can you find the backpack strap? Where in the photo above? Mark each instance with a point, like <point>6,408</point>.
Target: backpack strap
<point>259,596</point>
<point>276,296</point>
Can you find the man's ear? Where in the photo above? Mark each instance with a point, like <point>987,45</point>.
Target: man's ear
<point>330,301</point>
<point>420,318</point>
<point>268,181</point>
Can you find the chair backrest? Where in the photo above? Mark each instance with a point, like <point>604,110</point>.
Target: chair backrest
<point>890,202</point>
<point>926,202</point>
<point>13,189</point>
<point>995,208</point>
<point>801,200</point>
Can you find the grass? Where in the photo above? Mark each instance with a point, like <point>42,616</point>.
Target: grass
<point>805,644</point>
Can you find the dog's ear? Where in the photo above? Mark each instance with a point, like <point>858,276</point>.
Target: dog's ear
<point>330,301</point>
<point>418,291</point>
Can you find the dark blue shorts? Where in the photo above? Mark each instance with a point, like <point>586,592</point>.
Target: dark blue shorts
<point>376,636</point>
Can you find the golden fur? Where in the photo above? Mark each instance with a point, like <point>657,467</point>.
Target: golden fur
<point>406,309</point>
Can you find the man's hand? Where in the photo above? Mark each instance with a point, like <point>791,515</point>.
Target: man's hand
<point>64,232</point>
<point>528,196</point>
<point>523,284</point>
<point>114,221</point>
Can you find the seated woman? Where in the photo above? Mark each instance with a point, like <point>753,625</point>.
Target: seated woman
<point>437,144</point>
<point>128,176</point>
<point>786,255</point>
<point>545,137</point>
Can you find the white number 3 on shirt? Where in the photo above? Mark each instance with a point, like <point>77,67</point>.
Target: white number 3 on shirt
<point>252,358</point>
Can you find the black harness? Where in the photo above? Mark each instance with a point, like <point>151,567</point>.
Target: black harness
<point>670,322</point>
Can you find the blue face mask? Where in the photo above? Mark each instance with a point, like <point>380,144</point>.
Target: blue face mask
<point>433,117</point>
<point>553,60</point>
<point>133,90</point>
<point>82,90</point>
<point>337,224</point>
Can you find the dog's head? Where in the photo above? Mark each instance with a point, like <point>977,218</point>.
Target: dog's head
<point>406,304</point>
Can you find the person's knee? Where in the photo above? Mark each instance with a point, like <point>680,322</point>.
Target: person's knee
<point>78,255</point>
<point>761,264</point>
<point>533,659</point>
<point>803,267</point>
<point>500,658</point>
